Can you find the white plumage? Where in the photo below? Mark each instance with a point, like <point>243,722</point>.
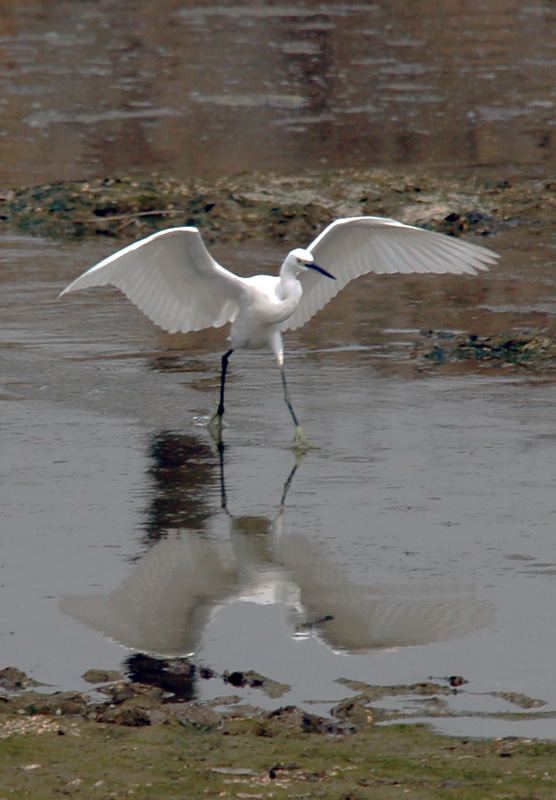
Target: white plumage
<point>174,280</point>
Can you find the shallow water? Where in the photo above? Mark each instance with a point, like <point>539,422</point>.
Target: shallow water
<point>416,542</point>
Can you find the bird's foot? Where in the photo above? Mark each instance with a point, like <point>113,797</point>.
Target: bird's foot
<point>216,417</point>
<point>214,426</point>
<point>300,442</point>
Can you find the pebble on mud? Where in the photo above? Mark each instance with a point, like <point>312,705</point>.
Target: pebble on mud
<point>14,679</point>
<point>101,676</point>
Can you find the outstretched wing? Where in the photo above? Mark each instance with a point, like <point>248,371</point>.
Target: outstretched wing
<point>172,278</point>
<point>355,246</point>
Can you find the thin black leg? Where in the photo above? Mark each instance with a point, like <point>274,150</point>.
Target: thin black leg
<point>287,397</point>
<point>225,358</point>
<point>223,496</point>
<point>285,490</point>
<point>289,480</point>
<point>300,442</point>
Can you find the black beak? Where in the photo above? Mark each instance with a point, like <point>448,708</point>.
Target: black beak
<point>321,270</point>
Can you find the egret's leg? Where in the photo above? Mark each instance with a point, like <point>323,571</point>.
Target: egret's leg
<point>223,495</point>
<point>225,359</point>
<point>220,410</point>
<point>300,442</point>
<point>298,461</point>
<point>287,397</point>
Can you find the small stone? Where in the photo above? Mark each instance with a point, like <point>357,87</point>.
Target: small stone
<point>101,676</point>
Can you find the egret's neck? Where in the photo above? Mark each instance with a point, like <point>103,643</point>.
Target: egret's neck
<point>289,288</point>
<point>289,271</point>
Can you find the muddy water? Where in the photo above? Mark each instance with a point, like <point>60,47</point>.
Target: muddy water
<point>90,89</point>
<point>418,540</point>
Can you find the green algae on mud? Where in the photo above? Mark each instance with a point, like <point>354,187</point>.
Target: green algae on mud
<point>255,206</point>
<point>534,351</point>
<point>45,757</point>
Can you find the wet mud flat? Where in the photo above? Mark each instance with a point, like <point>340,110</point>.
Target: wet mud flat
<point>140,741</point>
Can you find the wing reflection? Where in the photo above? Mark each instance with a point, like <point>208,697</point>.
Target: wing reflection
<point>165,603</point>
<point>356,618</point>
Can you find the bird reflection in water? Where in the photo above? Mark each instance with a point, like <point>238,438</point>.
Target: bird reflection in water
<point>172,592</point>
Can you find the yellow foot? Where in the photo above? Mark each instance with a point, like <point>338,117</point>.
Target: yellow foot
<point>214,426</point>
<point>300,442</point>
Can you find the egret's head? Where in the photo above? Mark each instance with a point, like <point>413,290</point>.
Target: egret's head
<point>303,256</point>
<point>303,260</point>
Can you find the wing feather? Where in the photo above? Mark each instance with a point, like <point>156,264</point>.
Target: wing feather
<point>355,246</point>
<point>172,278</point>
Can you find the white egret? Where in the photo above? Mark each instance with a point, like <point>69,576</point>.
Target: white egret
<point>174,280</point>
